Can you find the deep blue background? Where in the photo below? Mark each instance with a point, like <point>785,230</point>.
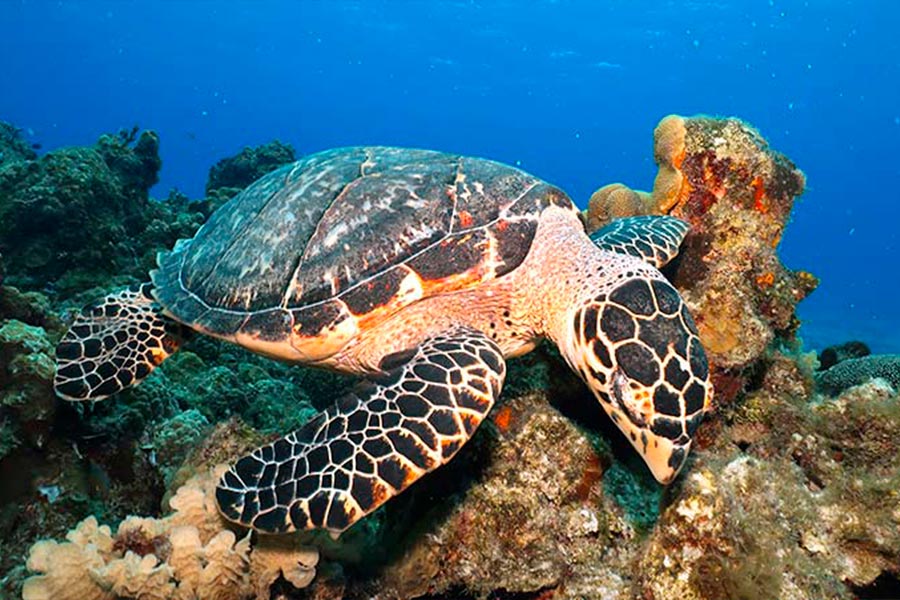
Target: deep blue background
<point>569,90</point>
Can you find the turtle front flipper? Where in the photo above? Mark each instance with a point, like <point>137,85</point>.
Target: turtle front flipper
<point>373,443</point>
<point>113,344</point>
<point>654,239</point>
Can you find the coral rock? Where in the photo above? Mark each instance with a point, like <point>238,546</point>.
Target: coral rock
<point>225,576</point>
<point>48,203</point>
<point>737,194</point>
<point>90,533</point>
<point>137,577</point>
<point>536,520</point>
<point>237,172</point>
<point>27,402</point>
<point>275,556</point>
<point>12,147</point>
<point>186,558</point>
<point>195,504</point>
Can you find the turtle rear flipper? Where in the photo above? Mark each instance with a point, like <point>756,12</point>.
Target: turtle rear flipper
<point>373,443</point>
<point>113,344</point>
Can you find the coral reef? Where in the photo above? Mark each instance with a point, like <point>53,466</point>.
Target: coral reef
<point>188,555</point>
<point>26,385</point>
<point>792,499</point>
<point>789,494</point>
<point>32,308</point>
<point>855,371</point>
<point>48,203</point>
<point>231,175</point>
<point>12,147</point>
<point>737,193</point>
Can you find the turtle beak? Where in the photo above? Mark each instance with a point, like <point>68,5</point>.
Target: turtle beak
<point>665,458</point>
<point>635,417</point>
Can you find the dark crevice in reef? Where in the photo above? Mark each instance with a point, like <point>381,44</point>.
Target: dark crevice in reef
<point>460,593</point>
<point>885,587</point>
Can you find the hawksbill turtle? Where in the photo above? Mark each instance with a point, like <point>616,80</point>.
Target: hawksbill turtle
<point>421,272</point>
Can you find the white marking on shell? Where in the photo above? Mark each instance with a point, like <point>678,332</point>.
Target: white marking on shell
<point>366,164</point>
<point>335,234</point>
<point>466,192</point>
<point>410,289</point>
<point>415,201</point>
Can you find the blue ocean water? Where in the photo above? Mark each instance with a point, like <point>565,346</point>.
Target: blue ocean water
<point>569,90</point>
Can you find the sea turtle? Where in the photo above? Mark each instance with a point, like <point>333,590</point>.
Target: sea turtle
<point>422,272</point>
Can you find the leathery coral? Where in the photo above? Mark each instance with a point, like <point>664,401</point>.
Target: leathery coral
<point>188,555</point>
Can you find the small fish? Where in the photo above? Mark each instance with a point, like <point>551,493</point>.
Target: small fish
<point>36,146</point>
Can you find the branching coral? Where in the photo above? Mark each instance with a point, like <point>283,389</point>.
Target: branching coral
<point>188,555</point>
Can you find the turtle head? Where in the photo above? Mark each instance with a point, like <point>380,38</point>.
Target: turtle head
<point>636,346</point>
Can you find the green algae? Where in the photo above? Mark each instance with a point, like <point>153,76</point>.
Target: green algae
<point>636,493</point>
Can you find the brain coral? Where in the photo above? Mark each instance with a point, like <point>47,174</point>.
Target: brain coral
<point>614,201</point>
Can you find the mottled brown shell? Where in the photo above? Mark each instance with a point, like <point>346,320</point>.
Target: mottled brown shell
<point>358,232</point>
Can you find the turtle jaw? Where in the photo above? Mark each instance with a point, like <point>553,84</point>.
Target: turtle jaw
<point>665,458</point>
<point>634,417</point>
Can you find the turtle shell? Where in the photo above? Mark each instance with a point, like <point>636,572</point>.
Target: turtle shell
<point>351,233</point>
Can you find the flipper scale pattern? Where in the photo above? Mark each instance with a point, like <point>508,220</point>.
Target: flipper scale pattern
<point>373,443</point>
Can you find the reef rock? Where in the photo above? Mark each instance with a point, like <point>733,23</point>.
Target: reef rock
<point>27,403</point>
<point>721,176</point>
<point>793,501</point>
<point>787,494</point>
<point>12,147</point>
